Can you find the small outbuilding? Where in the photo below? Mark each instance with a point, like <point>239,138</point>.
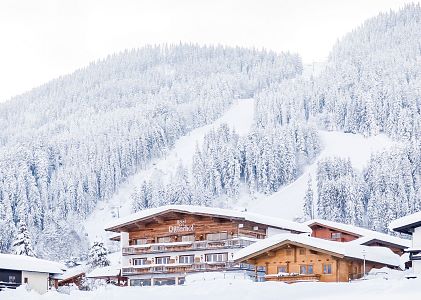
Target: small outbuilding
<point>39,274</point>
<point>299,257</point>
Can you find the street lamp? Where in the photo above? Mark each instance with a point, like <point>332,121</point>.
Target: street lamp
<point>364,252</point>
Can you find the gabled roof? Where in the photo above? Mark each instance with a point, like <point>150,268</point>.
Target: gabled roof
<point>74,272</point>
<point>117,225</point>
<point>365,235</point>
<point>374,254</point>
<point>28,263</point>
<point>406,224</point>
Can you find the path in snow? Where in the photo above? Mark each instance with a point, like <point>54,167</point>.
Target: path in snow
<point>288,201</point>
<point>239,117</point>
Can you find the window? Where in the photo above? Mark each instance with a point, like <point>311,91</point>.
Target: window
<point>327,269</point>
<point>12,278</point>
<point>25,280</point>
<point>302,251</point>
<point>336,235</point>
<point>306,269</point>
<point>140,282</point>
<point>188,238</point>
<point>140,241</point>
<point>163,260</point>
<point>217,236</point>
<point>139,261</point>
<point>282,269</point>
<point>164,239</point>
<point>288,252</point>
<point>216,257</point>
<point>186,259</point>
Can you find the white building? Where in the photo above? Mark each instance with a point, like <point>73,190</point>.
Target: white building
<point>38,274</point>
<point>411,225</point>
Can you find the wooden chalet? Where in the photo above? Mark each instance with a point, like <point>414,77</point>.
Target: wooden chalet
<point>293,258</point>
<point>161,245</point>
<point>339,232</point>
<point>411,225</point>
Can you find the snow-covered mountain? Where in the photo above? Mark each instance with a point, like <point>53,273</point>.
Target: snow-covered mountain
<point>218,126</point>
<point>72,142</point>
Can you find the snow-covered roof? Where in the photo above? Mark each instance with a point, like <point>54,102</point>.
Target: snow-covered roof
<point>28,263</point>
<point>365,235</point>
<point>72,272</point>
<point>213,211</point>
<point>405,224</point>
<point>374,254</point>
<point>110,271</point>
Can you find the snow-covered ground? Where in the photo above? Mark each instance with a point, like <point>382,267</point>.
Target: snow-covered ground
<point>230,288</point>
<point>288,201</point>
<point>239,117</point>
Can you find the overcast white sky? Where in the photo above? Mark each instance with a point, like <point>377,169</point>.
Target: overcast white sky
<point>43,39</point>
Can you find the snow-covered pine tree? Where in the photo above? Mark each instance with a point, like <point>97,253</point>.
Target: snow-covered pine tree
<point>142,197</point>
<point>22,244</point>
<point>97,256</point>
<point>309,201</point>
<point>7,230</point>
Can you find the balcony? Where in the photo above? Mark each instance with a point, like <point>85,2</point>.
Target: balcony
<point>185,268</point>
<point>186,246</point>
<point>290,278</point>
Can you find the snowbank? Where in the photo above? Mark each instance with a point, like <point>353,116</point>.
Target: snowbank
<point>228,289</point>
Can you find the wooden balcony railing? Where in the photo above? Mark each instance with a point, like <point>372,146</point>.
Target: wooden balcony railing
<point>293,277</point>
<point>185,268</point>
<point>187,246</point>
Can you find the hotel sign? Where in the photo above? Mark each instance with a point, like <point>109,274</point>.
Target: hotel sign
<point>181,226</point>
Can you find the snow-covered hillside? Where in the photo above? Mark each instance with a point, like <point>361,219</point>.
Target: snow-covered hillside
<point>239,117</point>
<point>288,201</point>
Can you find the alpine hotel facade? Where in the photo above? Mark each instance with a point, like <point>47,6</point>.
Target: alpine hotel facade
<point>160,246</point>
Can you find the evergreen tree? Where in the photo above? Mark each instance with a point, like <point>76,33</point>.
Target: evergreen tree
<point>22,244</point>
<point>309,201</point>
<point>97,256</point>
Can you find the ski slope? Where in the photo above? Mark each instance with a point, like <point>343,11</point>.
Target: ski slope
<point>239,117</point>
<point>288,201</point>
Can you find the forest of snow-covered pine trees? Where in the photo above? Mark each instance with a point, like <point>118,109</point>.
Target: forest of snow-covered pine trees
<point>371,85</point>
<point>72,142</point>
